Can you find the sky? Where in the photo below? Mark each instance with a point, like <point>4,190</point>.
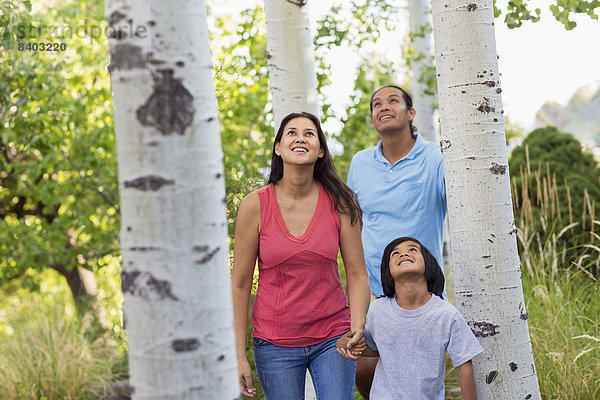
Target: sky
<point>538,62</point>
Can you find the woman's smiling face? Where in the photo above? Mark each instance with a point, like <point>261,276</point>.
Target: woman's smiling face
<point>299,143</point>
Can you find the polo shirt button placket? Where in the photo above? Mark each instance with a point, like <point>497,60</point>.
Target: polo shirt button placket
<point>390,177</point>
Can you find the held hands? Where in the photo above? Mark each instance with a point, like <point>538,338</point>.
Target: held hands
<point>245,377</point>
<point>351,345</point>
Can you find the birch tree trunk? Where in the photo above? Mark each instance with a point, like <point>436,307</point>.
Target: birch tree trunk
<point>292,75</point>
<point>290,55</point>
<point>175,276</point>
<point>487,277</point>
<point>420,28</point>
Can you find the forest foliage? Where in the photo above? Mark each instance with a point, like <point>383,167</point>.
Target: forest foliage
<point>59,204</point>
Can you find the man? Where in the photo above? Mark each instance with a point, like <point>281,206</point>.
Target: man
<point>400,187</point>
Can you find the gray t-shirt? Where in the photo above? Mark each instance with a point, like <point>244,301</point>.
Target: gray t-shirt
<point>412,347</point>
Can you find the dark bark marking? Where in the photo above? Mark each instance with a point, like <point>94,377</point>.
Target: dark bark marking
<point>445,145</point>
<point>224,200</point>
<point>153,143</point>
<point>513,366</point>
<point>490,240</point>
<point>465,293</point>
<point>508,287</point>
<point>128,229</point>
<point>513,231</point>
<point>486,256</point>
<point>483,329</point>
<point>210,119</point>
<point>218,175</point>
<point>524,316</point>
<point>495,119</point>
<point>180,63</point>
<point>221,357</point>
<point>170,107</point>
<point>498,169</point>
<point>489,378</point>
<point>299,3</point>
<point>115,17</point>
<point>183,345</point>
<point>528,396</point>
<point>146,183</point>
<point>143,248</point>
<point>146,286</point>
<point>490,83</point>
<point>157,62</point>
<point>209,253</point>
<point>125,57</point>
<point>268,55</point>
<point>485,107</point>
<point>498,90</point>
<point>151,23</point>
<point>470,158</point>
<point>489,266</point>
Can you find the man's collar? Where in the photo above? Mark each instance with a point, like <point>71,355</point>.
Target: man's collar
<point>416,149</point>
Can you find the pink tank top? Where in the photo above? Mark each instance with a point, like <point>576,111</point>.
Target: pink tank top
<point>300,300</point>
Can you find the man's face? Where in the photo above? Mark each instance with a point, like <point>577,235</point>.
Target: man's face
<point>390,112</point>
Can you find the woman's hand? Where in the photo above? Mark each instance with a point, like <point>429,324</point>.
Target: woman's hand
<point>357,339</point>
<point>351,345</point>
<point>245,378</point>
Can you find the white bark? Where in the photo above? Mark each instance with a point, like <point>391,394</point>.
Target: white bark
<point>290,55</point>
<point>420,26</point>
<point>292,75</point>
<point>484,250</point>
<point>175,276</point>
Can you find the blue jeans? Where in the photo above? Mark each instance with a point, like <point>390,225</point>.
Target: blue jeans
<point>282,370</point>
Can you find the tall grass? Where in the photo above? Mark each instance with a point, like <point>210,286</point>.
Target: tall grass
<point>50,356</point>
<point>560,261</point>
<point>564,308</point>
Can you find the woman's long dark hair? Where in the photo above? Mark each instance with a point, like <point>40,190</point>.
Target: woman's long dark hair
<point>433,272</point>
<point>324,173</point>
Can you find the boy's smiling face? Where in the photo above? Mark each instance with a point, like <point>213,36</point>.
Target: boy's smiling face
<point>406,258</point>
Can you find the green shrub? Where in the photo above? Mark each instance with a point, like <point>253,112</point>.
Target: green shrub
<point>555,182</point>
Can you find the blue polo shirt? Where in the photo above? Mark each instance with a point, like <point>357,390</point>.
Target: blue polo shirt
<point>404,199</point>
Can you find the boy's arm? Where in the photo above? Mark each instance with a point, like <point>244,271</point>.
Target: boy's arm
<point>466,378</point>
<point>368,352</point>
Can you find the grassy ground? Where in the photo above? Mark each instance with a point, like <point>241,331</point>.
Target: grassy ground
<point>46,353</point>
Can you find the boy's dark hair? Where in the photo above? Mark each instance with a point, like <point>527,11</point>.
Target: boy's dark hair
<point>407,100</point>
<point>433,272</point>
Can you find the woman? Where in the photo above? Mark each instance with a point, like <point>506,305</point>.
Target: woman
<point>295,226</point>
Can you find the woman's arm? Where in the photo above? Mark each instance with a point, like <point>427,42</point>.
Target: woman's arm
<point>245,251</point>
<point>466,378</point>
<point>357,279</point>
